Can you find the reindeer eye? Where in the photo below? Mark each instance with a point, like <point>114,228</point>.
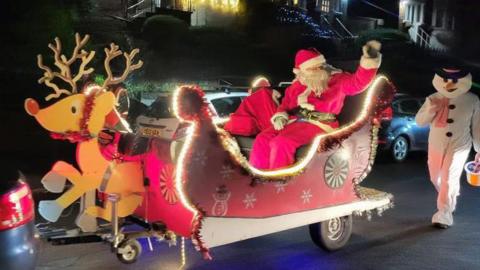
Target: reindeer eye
<point>74,109</point>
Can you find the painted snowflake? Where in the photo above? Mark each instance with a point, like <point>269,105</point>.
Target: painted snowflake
<point>306,196</point>
<point>200,157</point>
<point>249,200</point>
<point>226,172</point>
<point>361,157</point>
<point>280,186</point>
<point>167,184</point>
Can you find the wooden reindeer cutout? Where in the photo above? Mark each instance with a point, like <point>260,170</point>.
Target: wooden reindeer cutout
<point>79,117</point>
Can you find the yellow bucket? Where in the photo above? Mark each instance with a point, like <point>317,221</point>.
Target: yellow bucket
<point>473,178</point>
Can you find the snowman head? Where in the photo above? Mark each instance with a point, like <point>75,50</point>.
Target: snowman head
<point>452,83</point>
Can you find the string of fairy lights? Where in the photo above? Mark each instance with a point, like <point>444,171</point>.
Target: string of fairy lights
<point>291,16</point>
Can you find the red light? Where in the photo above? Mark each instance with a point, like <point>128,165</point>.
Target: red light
<point>16,207</point>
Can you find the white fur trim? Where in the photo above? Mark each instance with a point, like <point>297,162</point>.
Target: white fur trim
<point>276,96</point>
<point>369,63</point>
<point>279,114</point>
<point>319,60</point>
<point>303,97</point>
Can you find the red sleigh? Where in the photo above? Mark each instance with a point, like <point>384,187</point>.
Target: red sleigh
<point>208,191</point>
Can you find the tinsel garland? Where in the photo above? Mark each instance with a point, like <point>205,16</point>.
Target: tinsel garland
<point>191,103</point>
<point>191,107</point>
<point>84,133</point>
<point>196,237</point>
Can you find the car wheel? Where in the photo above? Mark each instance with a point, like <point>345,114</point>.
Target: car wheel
<point>332,234</point>
<point>400,147</point>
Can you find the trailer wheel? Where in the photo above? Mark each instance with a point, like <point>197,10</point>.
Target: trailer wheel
<point>332,234</point>
<point>128,251</point>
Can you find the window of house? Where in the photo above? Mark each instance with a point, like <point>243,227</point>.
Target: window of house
<point>410,13</point>
<point>325,5</point>
<point>417,15</point>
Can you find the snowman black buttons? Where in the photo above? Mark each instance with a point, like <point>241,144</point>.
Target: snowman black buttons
<point>449,134</point>
<point>451,106</point>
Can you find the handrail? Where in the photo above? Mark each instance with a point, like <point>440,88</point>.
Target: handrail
<point>344,28</point>
<point>331,27</point>
<point>137,4</point>
<point>424,37</point>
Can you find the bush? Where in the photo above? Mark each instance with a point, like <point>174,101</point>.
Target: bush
<point>384,35</point>
<point>164,31</point>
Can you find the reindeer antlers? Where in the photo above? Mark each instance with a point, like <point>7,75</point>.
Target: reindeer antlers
<point>114,52</point>
<point>63,64</point>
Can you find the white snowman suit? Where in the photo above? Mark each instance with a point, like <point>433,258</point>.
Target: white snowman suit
<point>449,145</point>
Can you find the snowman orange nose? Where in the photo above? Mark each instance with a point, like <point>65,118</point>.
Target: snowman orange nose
<point>450,85</point>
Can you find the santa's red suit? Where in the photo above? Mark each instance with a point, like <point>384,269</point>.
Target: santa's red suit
<point>254,113</point>
<point>275,147</point>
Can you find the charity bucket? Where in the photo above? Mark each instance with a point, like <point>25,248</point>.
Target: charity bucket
<point>473,174</point>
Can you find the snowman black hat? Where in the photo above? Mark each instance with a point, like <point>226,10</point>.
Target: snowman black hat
<point>452,80</point>
<point>451,72</point>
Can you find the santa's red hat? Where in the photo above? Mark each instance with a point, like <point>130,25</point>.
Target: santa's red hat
<point>308,58</point>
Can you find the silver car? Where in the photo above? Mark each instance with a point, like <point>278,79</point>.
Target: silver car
<point>401,135</point>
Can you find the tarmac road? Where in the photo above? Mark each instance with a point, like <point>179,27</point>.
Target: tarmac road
<point>401,239</point>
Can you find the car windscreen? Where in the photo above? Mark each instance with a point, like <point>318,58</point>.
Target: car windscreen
<point>407,106</point>
<point>227,105</point>
<point>161,108</point>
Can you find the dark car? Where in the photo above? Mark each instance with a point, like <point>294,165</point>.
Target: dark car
<point>401,135</point>
<point>17,212</point>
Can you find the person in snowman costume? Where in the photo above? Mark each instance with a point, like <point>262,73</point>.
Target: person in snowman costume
<point>453,114</point>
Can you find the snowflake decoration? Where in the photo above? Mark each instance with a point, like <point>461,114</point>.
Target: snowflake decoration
<point>249,200</point>
<point>280,187</point>
<point>200,157</point>
<point>306,195</point>
<point>361,156</point>
<point>167,187</point>
<point>226,171</point>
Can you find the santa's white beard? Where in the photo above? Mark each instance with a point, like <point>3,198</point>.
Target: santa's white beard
<point>317,81</point>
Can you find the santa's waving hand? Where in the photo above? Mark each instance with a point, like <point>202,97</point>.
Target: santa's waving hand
<point>311,104</point>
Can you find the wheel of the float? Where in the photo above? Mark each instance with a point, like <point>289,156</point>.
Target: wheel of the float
<point>332,234</point>
<point>128,251</point>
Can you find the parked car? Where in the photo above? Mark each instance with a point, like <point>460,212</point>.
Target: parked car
<point>17,214</point>
<point>401,135</point>
<point>159,120</point>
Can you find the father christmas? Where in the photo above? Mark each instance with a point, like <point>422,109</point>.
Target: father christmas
<point>311,104</point>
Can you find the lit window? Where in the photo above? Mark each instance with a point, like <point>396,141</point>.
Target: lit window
<point>325,5</point>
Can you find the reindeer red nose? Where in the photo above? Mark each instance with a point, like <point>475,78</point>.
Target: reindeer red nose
<point>31,106</point>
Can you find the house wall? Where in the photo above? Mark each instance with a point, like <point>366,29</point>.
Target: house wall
<point>205,15</point>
